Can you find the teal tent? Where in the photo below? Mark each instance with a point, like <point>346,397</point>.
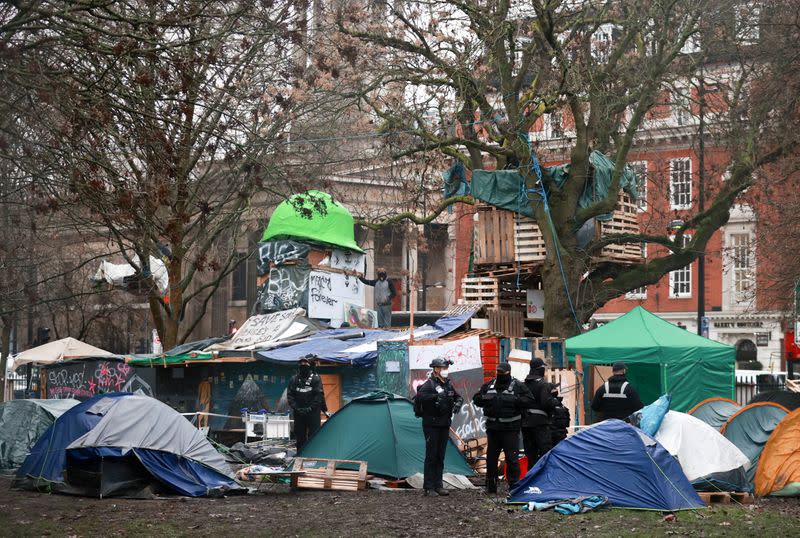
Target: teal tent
<point>312,216</point>
<point>381,429</point>
<point>22,423</point>
<point>661,358</point>
<point>750,428</point>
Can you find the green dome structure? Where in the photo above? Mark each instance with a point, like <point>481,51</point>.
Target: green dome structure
<point>312,216</point>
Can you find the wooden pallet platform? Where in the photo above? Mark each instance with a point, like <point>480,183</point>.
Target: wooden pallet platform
<point>528,241</point>
<point>725,497</point>
<point>329,476</point>
<point>494,293</point>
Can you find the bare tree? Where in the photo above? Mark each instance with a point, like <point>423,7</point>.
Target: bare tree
<point>469,80</point>
<point>152,124</point>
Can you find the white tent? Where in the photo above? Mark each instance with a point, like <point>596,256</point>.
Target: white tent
<point>66,348</point>
<point>703,453</point>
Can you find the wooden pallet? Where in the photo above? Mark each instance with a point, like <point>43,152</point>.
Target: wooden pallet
<point>494,236</point>
<point>494,293</point>
<point>509,323</point>
<point>725,497</point>
<point>328,476</point>
<point>528,241</point>
<point>625,220</point>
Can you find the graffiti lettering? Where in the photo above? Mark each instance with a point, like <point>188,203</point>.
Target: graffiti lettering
<point>82,380</point>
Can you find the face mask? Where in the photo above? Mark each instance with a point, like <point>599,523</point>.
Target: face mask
<point>304,369</point>
<point>444,374</point>
<point>382,276</point>
<point>503,375</point>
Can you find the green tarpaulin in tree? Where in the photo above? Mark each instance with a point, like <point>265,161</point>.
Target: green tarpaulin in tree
<point>312,216</point>
<point>661,358</point>
<point>503,188</point>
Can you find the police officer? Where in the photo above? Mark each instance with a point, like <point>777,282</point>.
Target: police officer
<point>536,435</point>
<point>560,419</point>
<point>616,398</point>
<point>307,400</point>
<point>503,399</point>
<point>436,401</point>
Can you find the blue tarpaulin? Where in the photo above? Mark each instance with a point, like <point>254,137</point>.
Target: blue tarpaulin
<point>613,459</point>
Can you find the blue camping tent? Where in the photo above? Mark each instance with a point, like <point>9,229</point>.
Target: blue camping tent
<point>613,459</point>
<point>123,444</point>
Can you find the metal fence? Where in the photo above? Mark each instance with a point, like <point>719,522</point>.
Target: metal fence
<point>749,384</point>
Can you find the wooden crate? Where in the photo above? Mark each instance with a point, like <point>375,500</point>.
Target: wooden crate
<point>528,241</point>
<point>494,236</point>
<point>494,293</point>
<point>625,220</point>
<point>329,477</point>
<point>509,323</point>
<point>725,497</point>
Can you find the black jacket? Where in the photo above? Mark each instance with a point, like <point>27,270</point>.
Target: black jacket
<point>439,400</point>
<point>544,402</point>
<point>305,394</point>
<point>619,400</point>
<point>503,403</point>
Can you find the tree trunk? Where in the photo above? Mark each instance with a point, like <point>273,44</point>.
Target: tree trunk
<point>5,350</point>
<point>558,317</point>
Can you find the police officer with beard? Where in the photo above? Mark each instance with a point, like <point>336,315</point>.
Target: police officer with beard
<point>504,400</point>
<point>307,400</point>
<point>435,402</point>
<point>536,435</point>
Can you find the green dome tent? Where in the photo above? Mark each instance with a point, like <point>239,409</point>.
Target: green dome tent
<point>381,429</point>
<point>661,358</point>
<point>22,423</point>
<point>313,216</point>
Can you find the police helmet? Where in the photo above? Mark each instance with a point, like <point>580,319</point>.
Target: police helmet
<point>440,363</point>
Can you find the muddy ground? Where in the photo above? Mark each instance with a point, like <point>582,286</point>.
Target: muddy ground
<point>281,512</point>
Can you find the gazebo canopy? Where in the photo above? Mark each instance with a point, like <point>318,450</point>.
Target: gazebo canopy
<point>660,357</point>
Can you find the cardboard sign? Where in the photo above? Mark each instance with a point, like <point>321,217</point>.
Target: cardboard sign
<point>264,328</point>
<point>465,354</point>
<point>329,292</point>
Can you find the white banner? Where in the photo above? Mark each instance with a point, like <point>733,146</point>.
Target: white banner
<point>346,259</point>
<point>329,292</point>
<point>263,328</point>
<point>465,354</point>
<point>535,304</point>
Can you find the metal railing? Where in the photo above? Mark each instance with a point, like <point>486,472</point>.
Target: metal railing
<point>749,384</point>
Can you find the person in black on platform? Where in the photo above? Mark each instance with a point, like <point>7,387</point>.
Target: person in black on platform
<point>435,402</point>
<point>616,398</point>
<point>307,400</point>
<point>504,400</point>
<point>536,436</point>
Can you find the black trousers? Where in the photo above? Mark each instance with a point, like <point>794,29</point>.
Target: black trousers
<point>537,441</point>
<point>304,427</point>
<point>508,442</point>
<point>435,447</point>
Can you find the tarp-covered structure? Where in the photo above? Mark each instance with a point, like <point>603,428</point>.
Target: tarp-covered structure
<point>59,350</point>
<point>123,444</point>
<point>779,468</point>
<point>381,429</point>
<point>314,216</point>
<point>22,423</point>
<point>715,411</point>
<point>505,188</point>
<point>708,459</point>
<point>789,400</point>
<point>613,459</point>
<point>125,275</point>
<point>661,358</point>
<point>750,428</point>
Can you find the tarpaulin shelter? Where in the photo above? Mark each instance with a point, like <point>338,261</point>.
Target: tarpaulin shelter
<point>314,216</point>
<point>58,350</point>
<point>750,428</point>
<point>123,444</point>
<point>779,468</point>
<point>715,411</point>
<point>22,423</point>
<point>789,400</point>
<point>381,429</point>
<point>661,358</point>
<point>708,459</point>
<point>613,459</point>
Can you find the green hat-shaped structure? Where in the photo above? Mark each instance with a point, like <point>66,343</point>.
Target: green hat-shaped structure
<point>312,216</point>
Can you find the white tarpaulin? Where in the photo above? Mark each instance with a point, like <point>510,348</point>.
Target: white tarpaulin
<point>465,354</point>
<point>329,292</point>
<point>66,348</point>
<point>700,449</point>
<point>115,273</point>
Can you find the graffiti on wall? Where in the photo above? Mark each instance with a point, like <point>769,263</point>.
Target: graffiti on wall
<point>84,379</point>
<point>287,288</point>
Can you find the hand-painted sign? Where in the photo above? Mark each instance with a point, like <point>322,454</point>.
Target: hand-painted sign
<point>464,353</point>
<point>287,288</point>
<point>264,328</point>
<point>83,379</point>
<point>329,292</point>
<point>346,259</point>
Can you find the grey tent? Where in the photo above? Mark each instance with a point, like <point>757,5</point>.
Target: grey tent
<point>22,422</point>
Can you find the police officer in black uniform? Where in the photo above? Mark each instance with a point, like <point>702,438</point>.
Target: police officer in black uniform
<point>504,400</point>
<point>536,435</point>
<point>560,420</point>
<point>616,398</point>
<point>307,400</point>
<point>436,401</point>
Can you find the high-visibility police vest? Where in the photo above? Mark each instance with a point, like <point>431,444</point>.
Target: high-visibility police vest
<point>620,394</point>
<point>507,409</point>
